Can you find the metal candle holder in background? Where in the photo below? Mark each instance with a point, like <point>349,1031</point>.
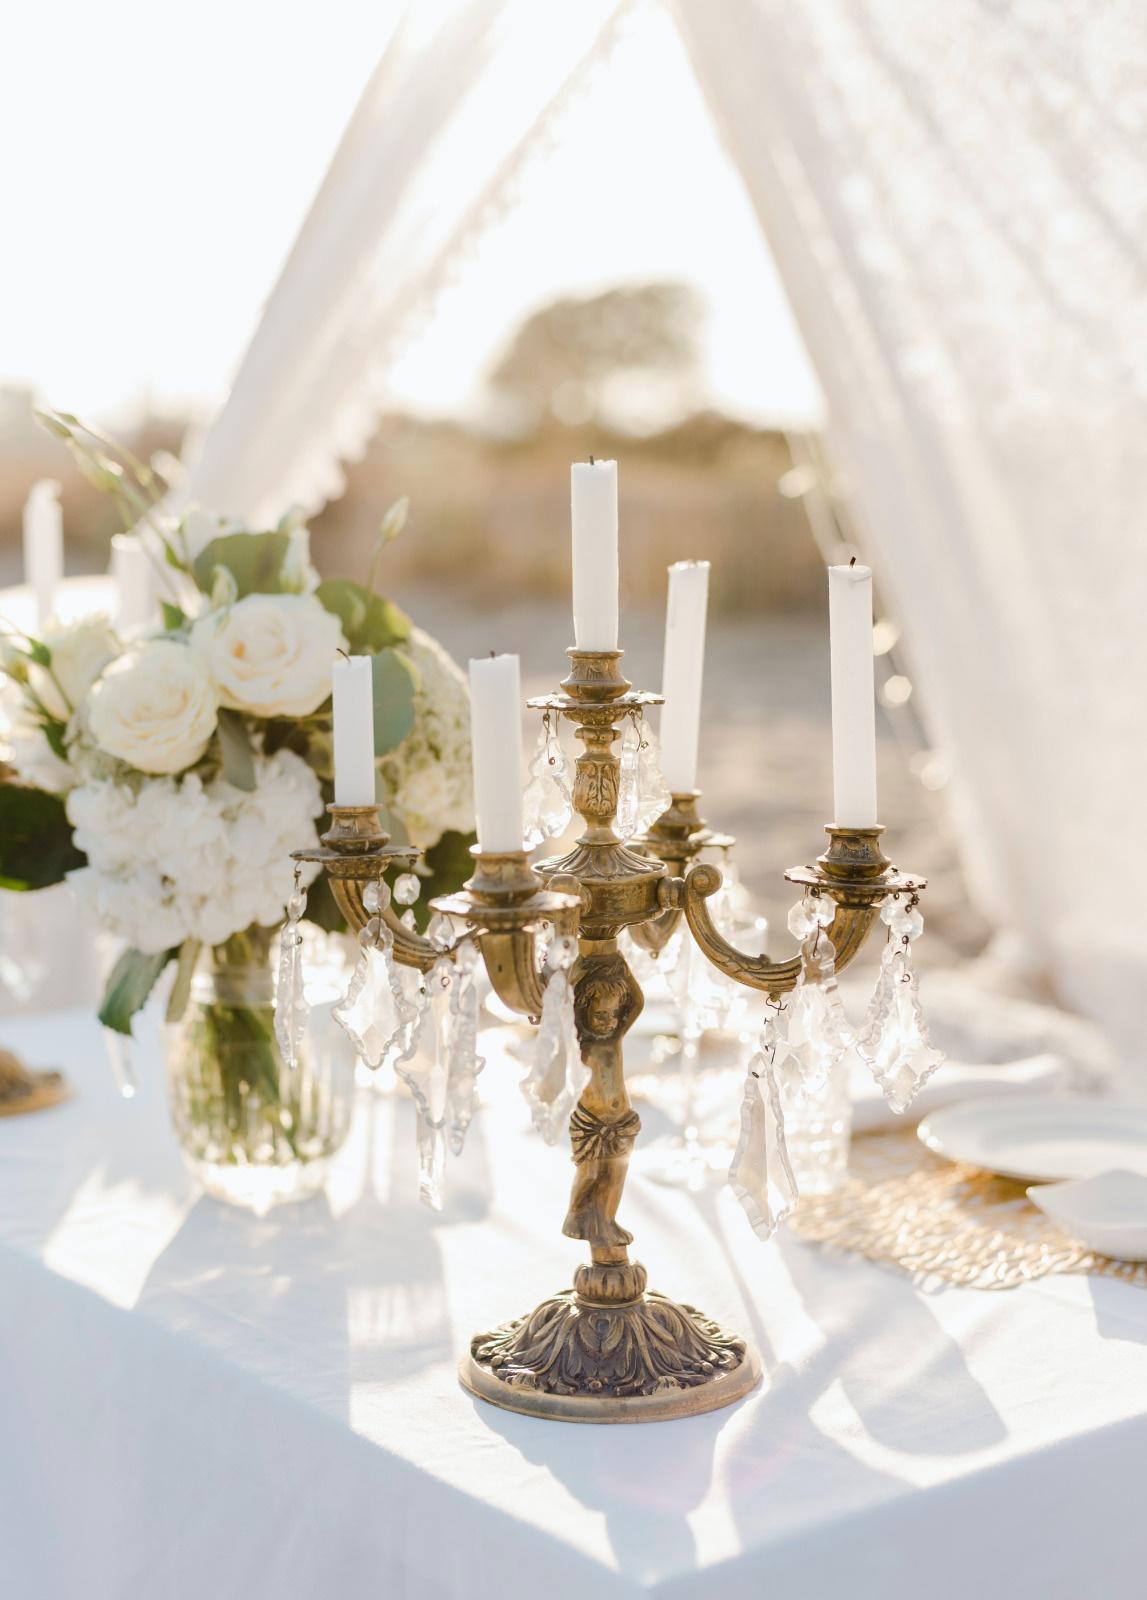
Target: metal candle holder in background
<point>609,1349</point>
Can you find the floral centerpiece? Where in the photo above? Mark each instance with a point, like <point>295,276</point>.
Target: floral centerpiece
<point>168,777</point>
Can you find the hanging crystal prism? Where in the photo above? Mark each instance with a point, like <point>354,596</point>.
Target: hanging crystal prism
<point>557,1075</point>
<point>422,1066</point>
<point>761,1175</point>
<point>811,1031</point>
<point>547,803</point>
<point>653,796</point>
<point>893,1038</point>
<point>290,1000</point>
<point>628,778</point>
<point>463,1063</point>
<point>376,1014</point>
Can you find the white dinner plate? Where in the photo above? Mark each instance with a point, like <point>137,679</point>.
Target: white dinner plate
<point>1041,1138</point>
<point>1109,1213</point>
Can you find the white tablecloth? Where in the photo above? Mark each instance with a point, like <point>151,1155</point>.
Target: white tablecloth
<point>198,1403</point>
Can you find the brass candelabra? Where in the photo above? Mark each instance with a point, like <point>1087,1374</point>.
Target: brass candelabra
<point>609,1349</point>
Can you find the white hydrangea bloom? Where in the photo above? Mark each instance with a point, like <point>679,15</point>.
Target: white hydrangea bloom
<point>427,781</point>
<point>179,858</point>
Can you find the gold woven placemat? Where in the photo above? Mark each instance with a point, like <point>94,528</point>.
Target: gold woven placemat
<point>944,1223</point>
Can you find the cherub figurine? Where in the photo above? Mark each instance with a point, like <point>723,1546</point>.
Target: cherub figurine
<point>607,1001</point>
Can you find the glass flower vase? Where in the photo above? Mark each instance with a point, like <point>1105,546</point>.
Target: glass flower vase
<point>254,1131</point>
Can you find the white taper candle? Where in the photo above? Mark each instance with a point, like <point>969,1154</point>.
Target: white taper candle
<point>352,691</point>
<point>853,698</point>
<point>133,581</point>
<point>682,673</point>
<point>43,545</point>
<point>496,752</point>
<point>593,519</point>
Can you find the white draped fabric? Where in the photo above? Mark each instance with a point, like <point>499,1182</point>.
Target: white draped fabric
<point>956,195</point>
<point>462,95</point>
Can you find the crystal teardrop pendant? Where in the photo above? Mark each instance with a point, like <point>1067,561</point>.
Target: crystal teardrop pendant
<point>422,1066</point>
<point>375,1014</point>
<point>547,803</point>
<point>290,1000</point>
<point>761,1175</point>
<point>811,1031</point>
<point>463,1063</point>
<point>557,1072</point>
<point>628,786</point>
<point>653,796</point>
<point>894,1038</point>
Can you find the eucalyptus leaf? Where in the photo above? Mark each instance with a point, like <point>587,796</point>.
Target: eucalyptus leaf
<point>369,622</point>
<point>36,845</point>
<point>235,749</point>
<point>254,560</point>
<point>130,982</point>
<point>395,681</point>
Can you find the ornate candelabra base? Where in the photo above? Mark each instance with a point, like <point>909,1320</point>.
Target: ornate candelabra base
<point>609,1350</point>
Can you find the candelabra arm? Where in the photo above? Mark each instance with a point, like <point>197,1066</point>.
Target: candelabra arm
<point>511,963</point>
<point>505,904</point>
<point>677,838</point>
<point>853,871</point>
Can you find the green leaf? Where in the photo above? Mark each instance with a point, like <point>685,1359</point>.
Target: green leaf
<point>369,622</point>
<point>254,560</point>
<point>395,685</point>
<point>131,981</point>
<point>39,653</point>
<point>54,733</point>
<point>450,864</point>
<point>184,971</point>
<point>174,617</point>
<point>235,748</point>
<point>36,848</point>
<point>52,422</point>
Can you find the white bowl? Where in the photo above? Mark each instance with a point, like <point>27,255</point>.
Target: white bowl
<point>1108,1212</point>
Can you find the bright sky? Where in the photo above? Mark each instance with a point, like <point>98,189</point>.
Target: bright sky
<point>159,161</point>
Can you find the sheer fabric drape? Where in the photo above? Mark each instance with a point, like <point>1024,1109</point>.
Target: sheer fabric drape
<point>461,94</point>
<point>956,195</point>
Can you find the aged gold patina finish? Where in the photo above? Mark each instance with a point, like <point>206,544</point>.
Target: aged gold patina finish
<point>608,1349</point>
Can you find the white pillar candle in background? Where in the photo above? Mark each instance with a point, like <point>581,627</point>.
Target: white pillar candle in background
<point>352,690</point>
<point>853,700</point>
<point>593,517</point>
<point>43,545</point>
<point>132,580</point>
<point>682,673</point>
<point>496,752</point>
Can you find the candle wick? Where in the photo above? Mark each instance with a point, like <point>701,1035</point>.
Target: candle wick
<point>852,561</point>
<point>592,462</point>
<point>342,652</point>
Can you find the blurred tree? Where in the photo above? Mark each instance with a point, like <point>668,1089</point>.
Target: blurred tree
<point>629,357</point>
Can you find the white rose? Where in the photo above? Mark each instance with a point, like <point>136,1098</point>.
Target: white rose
<point>270,654</point>
<point>155,707</point>
<point>80,652</point>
